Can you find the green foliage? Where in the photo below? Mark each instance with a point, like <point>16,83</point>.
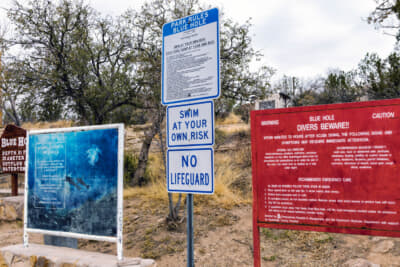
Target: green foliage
<point>290,86</point>
<point>381,77</point>
<point>306,98</point>
<point>50,109</point>
<point>270,258</point>
<point>78,61</point>
<point>12,86</point>
<point>223,106</point>
<point>267,232</point>
<point>339,87</point>
<point>220,137</point>
<point>243,111</point>
<point>323,238</point>
<point>277,234</point>
<point>129,115</point>
<point>375,78</point>
<point>100,69</point>
<point>130,165</point>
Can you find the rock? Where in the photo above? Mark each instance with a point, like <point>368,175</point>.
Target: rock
<point>129,262</point>
<point>33,260</point>
<point>10,213</point>
<point>359,263</point>
<point>42,262</point>
<point>378,238</point>
<point>7,257</point>
<point>46,256</point>
<point>383,246</point>
<point>323,238</point>
<point>148,263</point>
<point>19,261</point>
<point>2,262</point>
<point>11,208</point>
<point>2,209</point>
<point>137,262</point>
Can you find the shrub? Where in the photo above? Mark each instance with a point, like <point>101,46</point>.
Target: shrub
<point>220,137</point>
<point>243,111</point>
<point>130,165</point>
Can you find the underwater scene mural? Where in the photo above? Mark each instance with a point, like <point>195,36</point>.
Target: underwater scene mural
<point>72,182</point>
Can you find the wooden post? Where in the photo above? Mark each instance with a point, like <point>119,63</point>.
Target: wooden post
<point>14,184</point>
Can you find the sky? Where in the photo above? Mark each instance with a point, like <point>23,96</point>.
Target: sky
<point>302,38</point>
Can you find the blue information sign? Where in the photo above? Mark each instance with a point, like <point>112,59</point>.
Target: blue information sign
<point>190,58</point>
<point>190,170</point>
<point>190,124</point>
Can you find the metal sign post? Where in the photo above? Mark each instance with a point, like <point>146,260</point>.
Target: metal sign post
<point>190,72</point>
<point>190,236</point>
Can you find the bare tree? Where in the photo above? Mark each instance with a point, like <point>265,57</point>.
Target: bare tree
<point>386,16</point>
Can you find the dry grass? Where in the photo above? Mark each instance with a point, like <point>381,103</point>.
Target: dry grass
<point>235,128</point>
<point>226,194</point>
<point>231,124</point>
<point>138,127</point>
<point>156,191</point>
<point>47,125</point>
<point>227,173</point>
<point>230,173</point>
<point>156,168</point>
<point>231,119</point>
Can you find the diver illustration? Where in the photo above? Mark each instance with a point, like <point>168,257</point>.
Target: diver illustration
<point>77,182</point>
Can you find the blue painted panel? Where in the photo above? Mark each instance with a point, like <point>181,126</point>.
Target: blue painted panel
<point>72,182</point>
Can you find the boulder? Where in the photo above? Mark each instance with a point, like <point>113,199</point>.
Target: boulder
<point>383,246</point>
<point>42,255</point>
<point>359,263</point>
<point>12,208</point>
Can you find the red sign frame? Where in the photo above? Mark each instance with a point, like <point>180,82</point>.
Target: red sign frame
<point>327,168</point>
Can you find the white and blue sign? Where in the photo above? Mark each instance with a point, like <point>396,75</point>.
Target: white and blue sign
<point>190,58</point>
<point>190,170</point>
<point>190,124</point>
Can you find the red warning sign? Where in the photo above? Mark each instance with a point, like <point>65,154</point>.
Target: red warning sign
<point>331,168</point>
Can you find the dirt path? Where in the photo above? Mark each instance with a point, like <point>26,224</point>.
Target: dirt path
<point>225,246</point>
<point>231,246</point>
<point>224,238</point>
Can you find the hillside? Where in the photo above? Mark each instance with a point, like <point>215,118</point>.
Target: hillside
<point>223,221</point>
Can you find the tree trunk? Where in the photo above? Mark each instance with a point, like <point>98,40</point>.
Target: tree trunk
<point>138,177</point>
<point>173,209</point>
